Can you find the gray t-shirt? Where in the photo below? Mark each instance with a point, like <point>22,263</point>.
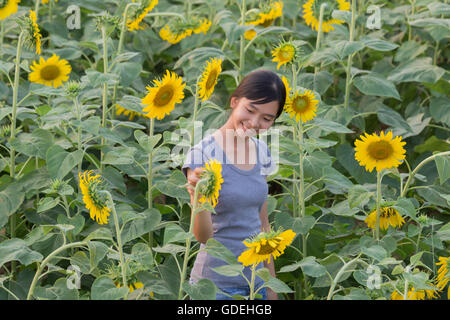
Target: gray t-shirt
<point>241,197</point>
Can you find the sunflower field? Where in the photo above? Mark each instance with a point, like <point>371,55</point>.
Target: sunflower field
<point>100,100</point>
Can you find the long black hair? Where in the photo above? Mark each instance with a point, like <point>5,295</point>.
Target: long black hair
<point>262,86</point>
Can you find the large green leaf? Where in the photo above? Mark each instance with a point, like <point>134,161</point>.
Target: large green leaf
<point>10,200</point>
<point>376,86</point>
<point>204,289</point>
<point>443,167</point>
<point>218,250</point>
<point>419,70</point>
<point>149,220</point>
<point>103,288</point>
<point>17,250</point>
<point>60,162</point>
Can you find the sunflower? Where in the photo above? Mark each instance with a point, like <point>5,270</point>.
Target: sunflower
<point>202,26</point>
<point>140,14</point>
<point>209,78</point>
<point>7,8</point>
<point>46,1</point>
<point>380,152</point>
<point>443,274</point>
<point>213,176</point>
<point>166,33</point>
<point>301,105</point>
<point>130,113</point>
<point>264,17</point>
<point>311,11</point>
<point>285,53</point>
<point>266,245</point>
<point>388,216</point>
<point>95,202</point>
<point>178,29</point>
<point>286,86</point>
<point>34,32</point>
<point>50,72</point>
<point>162,98</point>
<point>414,294</point>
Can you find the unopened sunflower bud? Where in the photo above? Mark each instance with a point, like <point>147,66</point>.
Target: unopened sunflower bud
<point>72,88</point>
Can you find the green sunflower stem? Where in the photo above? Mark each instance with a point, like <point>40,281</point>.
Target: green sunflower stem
<point>195,112</point>
<point>242,43</point>
<point>12,165</point>
<point>339,275</point>
<point>294,185</point>
<point>252,283</point>
<point>150,177</point>
<point>119,239</point>
<point>47,260</point>
<point>188,240</point>
<point>350,58</point>
<point>105,90</point>
<point>36,8</point>
<point>319,33</point>
<point>79,145</point>
<point>377,226</point>
<point>419,166</point>
<point>2,35</point>
<point>120,47</point>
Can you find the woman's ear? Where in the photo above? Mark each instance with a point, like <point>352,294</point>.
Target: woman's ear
<point>234,102</point>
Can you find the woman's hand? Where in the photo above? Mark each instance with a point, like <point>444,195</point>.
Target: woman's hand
<point>193,176</point>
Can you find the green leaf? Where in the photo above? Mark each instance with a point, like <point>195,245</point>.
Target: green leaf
<point>358,196</point>
<point>203,289</point>
<point>97,251</point>
<point>345,154</point>
<point>47,203</point>
<point>174,233</point>
<point>331,126</point>
<point>60,162</point>
<point>378,44</point>
<point>343,48</point>
<point>10,200</point>
<point>319,82</point>
<point>97,78</point>
<point>35,144</point>
<point>147,143</point>
<point>309,266</point>
<point>343,209</point>
<point>440,109</point>
<point>392,118</point>
<point>377,252</point>
<point>17,250</point>
<point>120,156</point>
<point>127,71</point>
<point>59,291</point>
<point>419,70</point>
<point>376,86</point>
<point>103,288</point>
<point>405,207</point>
<point>409,50</point>
<point>136,228</point>
<point>230,270</point>
<point>302,225</point>
<point>218,250</point>
<point>278,286</point>
<point>443,167</point>
<point>336,181</point>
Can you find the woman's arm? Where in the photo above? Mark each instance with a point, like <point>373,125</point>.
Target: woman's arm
<point>265,226</point>
<point>202,227</point>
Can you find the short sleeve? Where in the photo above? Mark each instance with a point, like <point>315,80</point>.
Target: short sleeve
<point>194,159</point>
<point>268,165</point>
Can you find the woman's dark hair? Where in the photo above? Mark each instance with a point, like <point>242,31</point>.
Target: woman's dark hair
<point>262,86</point>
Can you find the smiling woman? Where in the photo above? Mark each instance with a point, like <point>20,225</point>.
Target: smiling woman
<point>241,205</point>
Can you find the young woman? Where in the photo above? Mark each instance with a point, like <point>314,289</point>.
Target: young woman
<point>241,211</point>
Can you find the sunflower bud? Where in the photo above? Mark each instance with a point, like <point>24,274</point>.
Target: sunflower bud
<point>109,22</point>
<point>72,88</point>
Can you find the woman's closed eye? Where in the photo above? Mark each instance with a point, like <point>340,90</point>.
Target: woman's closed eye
<point>250,111</point>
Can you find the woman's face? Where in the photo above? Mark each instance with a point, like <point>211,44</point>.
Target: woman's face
<point>248,118</point>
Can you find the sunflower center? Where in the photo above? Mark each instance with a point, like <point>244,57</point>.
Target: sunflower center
<point>266,248</point>
<point>380,150</point>
<point>267,23</point>
<point>299,103</point>
<point>164,96</point>
<point>287,53</point>
<point>211,79</point>
<point>50,72</point>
